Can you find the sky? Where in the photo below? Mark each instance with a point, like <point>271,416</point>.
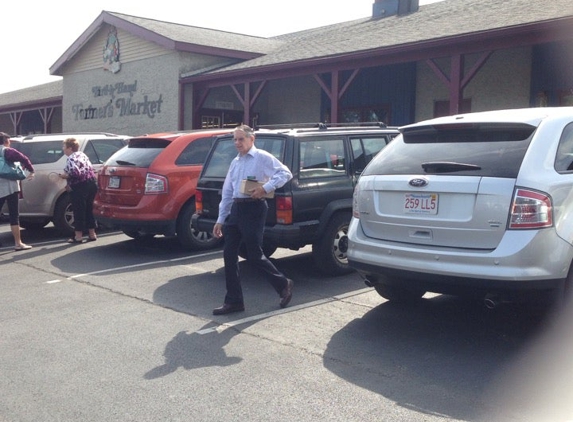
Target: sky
<point>38,32</point>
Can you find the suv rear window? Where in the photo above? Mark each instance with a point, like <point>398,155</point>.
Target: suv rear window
<point>564,158</point>
<point>365,148</point>
<point>490,150</point>
<point>195,153</point>
<point>45,152</point>
<point>139,152</point>
<point>99,150</point>
<point>320,158</point>
<point>40,152</point>
<point>224,152</point>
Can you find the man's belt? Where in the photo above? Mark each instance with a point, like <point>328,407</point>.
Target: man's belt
<point>241,200</point>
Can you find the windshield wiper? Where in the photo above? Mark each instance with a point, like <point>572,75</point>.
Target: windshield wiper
<point>124,163</point>
<point>447,167</point>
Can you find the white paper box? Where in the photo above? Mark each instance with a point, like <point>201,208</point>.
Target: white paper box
<point>247,185</point>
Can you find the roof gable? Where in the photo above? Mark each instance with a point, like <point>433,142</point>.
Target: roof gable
<point>174,36</point>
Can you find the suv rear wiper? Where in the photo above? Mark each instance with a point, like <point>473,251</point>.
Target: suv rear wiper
<point>447,167</point>
<point>124,163</point>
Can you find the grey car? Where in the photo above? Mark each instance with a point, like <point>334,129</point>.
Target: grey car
<point>44,199</point>
<point>479,203</point>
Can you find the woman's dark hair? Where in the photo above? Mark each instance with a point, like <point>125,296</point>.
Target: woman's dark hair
<point>4,137</point>
<point>73,144</point>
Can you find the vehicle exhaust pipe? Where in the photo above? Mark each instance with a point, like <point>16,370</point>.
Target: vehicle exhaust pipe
<point>368,282</point>
<point>492,300</point>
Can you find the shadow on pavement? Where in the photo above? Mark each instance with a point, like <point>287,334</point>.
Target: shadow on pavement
<point>438,357</point>
<point>192,350</point>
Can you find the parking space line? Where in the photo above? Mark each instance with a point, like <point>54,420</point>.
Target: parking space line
<point>75,276</point>
<point>143,264</point>
<point>226,325</point>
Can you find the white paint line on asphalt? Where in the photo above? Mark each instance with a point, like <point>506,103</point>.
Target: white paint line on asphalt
<point>226,325</point>
<point>143,264</point>
<point>196,269</point>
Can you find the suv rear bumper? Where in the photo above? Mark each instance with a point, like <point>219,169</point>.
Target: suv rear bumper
<point>293,236</point>
<point>516,264</point>
<point>448,284</point>
<point>165,227</point>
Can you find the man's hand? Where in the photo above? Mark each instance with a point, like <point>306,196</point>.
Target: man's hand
<point>218,230</point>
<point>257,193</point>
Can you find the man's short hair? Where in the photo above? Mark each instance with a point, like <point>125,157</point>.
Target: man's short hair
<point>247,129</point>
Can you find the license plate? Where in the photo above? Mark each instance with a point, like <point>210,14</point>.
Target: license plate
<point>113,182</point>
<point>421,203</point>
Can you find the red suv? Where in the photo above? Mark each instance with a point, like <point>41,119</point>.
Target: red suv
<point>148,187</point>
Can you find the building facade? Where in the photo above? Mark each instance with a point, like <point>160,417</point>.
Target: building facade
<point>131,75</point>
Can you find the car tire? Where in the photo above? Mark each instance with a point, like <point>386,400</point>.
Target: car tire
<point>34,225</point>
<point>399,294</point>
<point>63,218</point>
<point>330,252</point>
<point>190,238</point>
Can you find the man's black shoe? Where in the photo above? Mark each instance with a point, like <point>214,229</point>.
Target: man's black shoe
<point>286,294</point>
<point>228,308</point>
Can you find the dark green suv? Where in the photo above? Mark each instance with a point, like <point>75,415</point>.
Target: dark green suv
<point>315,207</point>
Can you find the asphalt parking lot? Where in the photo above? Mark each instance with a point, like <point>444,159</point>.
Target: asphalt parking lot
<point>118,330</point>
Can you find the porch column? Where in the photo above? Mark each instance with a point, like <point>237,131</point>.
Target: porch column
<point>456,90</point>
<point>46,115</point>
<point>15,118</point>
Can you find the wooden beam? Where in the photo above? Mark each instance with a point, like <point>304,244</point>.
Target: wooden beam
<point>456,90</point>
<point>334,100</point>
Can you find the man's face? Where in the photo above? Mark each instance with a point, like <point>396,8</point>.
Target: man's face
<point>243,141</point>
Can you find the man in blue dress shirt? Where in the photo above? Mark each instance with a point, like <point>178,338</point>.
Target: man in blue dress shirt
<point>242,218</point>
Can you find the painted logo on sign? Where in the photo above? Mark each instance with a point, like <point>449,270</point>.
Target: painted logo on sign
<point>111,52</point>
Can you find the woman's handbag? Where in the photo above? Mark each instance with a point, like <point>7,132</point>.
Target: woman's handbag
<point>11,171</point>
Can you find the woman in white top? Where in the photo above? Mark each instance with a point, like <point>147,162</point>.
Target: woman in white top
<point>9,189</point>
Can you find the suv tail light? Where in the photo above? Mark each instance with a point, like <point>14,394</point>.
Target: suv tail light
<point>530,210</point>
<point>155,184</point>
<point>198,202</point>
<point>355,205</point>
<point>284,209</point>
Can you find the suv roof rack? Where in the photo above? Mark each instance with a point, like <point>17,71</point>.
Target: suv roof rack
<point>39,135</point>
<point>322,125</point>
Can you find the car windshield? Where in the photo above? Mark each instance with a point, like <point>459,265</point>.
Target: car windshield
<point>139,152</point>
<point>224,151</point>
<point>492,150</point>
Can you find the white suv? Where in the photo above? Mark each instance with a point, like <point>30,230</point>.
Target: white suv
<point>44,198</point>
<point>475,203</point>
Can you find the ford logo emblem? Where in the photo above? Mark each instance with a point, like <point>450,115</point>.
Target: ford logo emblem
<point>418,182</point>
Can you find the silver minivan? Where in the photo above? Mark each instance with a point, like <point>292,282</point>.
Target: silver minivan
<point>478,203</point>
<point>44,198</point>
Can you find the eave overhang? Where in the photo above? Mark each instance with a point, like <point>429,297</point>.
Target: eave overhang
<point>32,105</point>
<point>509,37</point>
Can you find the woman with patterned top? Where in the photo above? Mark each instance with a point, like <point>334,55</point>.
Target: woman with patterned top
<point>10,189</point>
<point>82,187</point>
